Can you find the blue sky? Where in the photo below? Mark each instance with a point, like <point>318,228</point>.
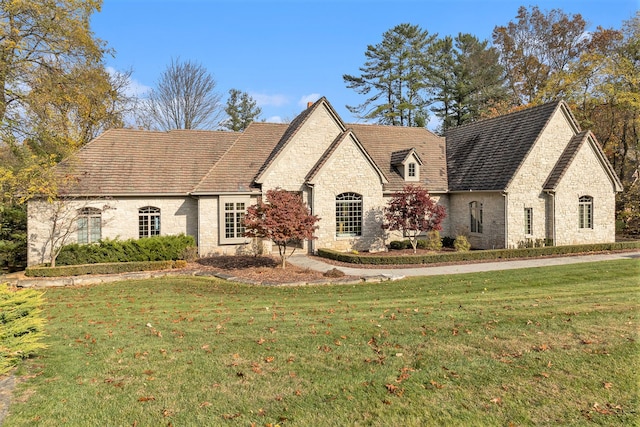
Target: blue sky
<point>287,52</point>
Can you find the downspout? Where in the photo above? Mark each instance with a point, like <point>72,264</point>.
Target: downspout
<point>552,212</point>
<point>506,219</point>
<point>311,243</point>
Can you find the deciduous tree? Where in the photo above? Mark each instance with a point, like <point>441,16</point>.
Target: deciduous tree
<point>284,219</point>
<point>184,98</point>
<point>536,46</point>
<point>412,211</point>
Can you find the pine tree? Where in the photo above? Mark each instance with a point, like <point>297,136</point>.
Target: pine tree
<point>394,78</point>
<point>242,109</point>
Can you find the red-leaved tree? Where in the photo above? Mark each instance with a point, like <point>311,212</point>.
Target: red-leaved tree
<point>284,219</point>
<point>413,212</point>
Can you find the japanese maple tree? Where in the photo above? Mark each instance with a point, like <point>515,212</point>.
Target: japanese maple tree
<point>413,212</point>
<point>284,219</point>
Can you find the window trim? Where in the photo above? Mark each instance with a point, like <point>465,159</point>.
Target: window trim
<point>349,224</point>
<point>475,217</point>
<point>86,233</point>
<point>528,221</point>
<point>148,226</point>
<point>585,213</point>
<point>238,227</point>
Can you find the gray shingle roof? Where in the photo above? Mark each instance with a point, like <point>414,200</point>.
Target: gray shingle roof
<point>485,155</point>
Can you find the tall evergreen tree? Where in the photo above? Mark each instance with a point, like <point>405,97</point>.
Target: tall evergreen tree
<point>467,79</point>
<point>242,109</point>
<point>394,78</point>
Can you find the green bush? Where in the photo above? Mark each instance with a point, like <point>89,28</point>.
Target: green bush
<point>13,237</point>
<point>448,241</point>
<point>21,325</point>
<point>391,259</point>
<point>159,248</point>
<point>102,268</point>
<point>398,245</point>
<point>461,244</point>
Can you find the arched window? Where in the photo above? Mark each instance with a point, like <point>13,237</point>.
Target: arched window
<point>348,214</point>
<point>585,212</point>
<point>89,225</point>
<point>475,214</point>
<point>148,221</point>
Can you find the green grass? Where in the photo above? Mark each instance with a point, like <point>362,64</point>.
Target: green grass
<point>553,346</point>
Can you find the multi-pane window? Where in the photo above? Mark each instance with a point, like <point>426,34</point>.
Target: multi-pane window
<point>348,214</point>
<point>528,220</point>
<point>233,219</point>
<point>585,212</point>
<point>89,225</point>
<point>412,170</point>
<point>148,221</point>
<point>475,213</point>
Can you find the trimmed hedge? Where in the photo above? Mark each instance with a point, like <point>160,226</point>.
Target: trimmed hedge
<point>159,248</point>
<point>385,259</point>
<point>105,268</point>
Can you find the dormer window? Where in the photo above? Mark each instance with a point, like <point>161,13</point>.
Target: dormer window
<point>407,163</point>
<point>411,168</point>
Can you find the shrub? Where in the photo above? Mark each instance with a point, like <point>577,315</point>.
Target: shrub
<point>433,242</point>
<point>159,248</point>
<point>21,325</point>
<point>102,268</point>
<point>475,255</point>
<point>461,244</point>
<point>399,245</point>
<point>448,242</point>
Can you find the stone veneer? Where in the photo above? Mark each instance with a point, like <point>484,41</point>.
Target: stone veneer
<point>119,220</point>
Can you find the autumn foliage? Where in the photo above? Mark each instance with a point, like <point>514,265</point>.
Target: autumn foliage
<point>412,211</point>
<point>284,219</point>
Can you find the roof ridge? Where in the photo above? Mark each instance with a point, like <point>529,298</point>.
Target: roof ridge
<point>526,110</point>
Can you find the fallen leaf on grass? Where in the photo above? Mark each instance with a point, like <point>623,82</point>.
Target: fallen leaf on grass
<point>436,384</point>
<point>205,404</point>
<point>496,400</point>
<point>607,385</point>
<point>146,398</point>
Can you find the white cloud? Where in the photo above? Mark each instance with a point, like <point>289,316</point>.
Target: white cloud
<point>274,119</point>
<point>313,97</point>
<point>134,87</point>
<point>269,100</point>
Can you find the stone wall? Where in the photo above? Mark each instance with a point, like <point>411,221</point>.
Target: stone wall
<point>289,169</point>
<point>119,220</point>
<point>585,177</point>
<point>493,218</point>
<point>348,171</point>
<point>525,190</point>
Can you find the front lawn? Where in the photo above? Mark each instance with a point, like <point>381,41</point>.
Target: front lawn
<point>554,346</point>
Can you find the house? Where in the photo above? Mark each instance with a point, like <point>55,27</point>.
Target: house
<point>532,175</point>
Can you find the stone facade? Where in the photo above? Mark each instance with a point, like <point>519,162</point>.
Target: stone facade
<point>318,156</point>
<point>119,220</point>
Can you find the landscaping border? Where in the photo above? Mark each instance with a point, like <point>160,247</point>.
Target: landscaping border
<point>481,255</point>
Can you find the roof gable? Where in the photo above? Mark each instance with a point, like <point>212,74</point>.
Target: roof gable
<point>569,154</point>
<point>340,139</point>
<point>487,154</point>
<point>401,157</point>
<point>293,129</point>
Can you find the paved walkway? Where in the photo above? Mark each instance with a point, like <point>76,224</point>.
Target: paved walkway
<point>316,263</point>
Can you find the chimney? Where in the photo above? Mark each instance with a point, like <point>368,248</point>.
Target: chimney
<point>309,104</point>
